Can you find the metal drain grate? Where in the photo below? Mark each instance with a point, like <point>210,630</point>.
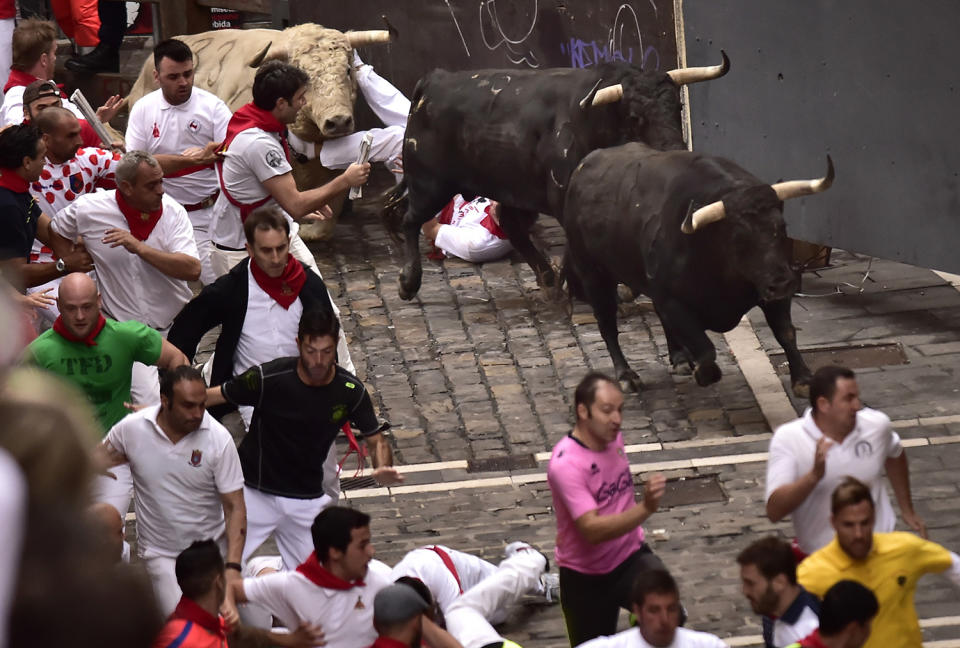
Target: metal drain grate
<point>684,491</point>
<point>354,483</point>
<point>857,356</point>
<point>502,464</point>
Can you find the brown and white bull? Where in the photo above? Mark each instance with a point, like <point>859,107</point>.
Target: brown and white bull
<point>226,61</point>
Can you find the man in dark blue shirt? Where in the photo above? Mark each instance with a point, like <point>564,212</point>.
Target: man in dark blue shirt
<point>22,158</point>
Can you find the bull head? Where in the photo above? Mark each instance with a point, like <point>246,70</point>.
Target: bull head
<point>785,190</point>
<point>683,76</point>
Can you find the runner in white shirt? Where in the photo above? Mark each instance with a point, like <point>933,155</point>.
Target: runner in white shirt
<point>469,230</point>
<point>835,438</point>
<point>187,480</point>
<point>256,171</point>
<point>656,605</point>
<point>143,250</point>
<point>178,117</point>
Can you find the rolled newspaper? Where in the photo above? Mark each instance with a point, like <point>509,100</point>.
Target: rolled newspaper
<point>91,116</point>
<point>365,144</point>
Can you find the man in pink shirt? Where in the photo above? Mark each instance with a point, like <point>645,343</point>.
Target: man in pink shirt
<point>600,543</point>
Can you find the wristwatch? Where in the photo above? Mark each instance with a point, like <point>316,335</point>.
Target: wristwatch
<point>61,266</point>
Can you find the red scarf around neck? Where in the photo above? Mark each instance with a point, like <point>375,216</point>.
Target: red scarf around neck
<point>90,340</point>
<point>140,223</point>
<point>21,78</point>
<point>189,611</point>
<point>284,289</point>
<point>249,116</point>
<point>9,179</point>
<point>321,577</point>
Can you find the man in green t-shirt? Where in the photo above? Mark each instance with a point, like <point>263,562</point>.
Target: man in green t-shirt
<point>97,355</point>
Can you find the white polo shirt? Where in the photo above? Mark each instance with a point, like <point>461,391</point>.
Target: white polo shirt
<point>631,638</point>
<point>470,232</point>
<point>862,454</point>
<point>345,615</point>
<point>131,288</point>
<point>269,330</point>
<point>11,112</point>
<point>60,184</point>
<point>177,488</point>
<point>156,126</point>
<point>253,156</point>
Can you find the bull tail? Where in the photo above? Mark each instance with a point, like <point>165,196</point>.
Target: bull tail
<point>569,285</point>
<point>394,208</point>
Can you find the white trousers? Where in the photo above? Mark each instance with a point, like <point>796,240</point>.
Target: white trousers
<point>163,576</point>
<point>287,518</point>
<point>145,380</point>
<point>115,492</point>
<point>467,618</point>
<point>426,565</point>
<point>202,238</point>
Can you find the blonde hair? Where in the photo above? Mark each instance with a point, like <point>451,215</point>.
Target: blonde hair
<point>32,39</point>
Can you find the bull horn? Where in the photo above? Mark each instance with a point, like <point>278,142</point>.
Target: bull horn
<point>370,37</point>
<point>684,76</point>
<point>258,58</point>
<point>704,216</point>
<point>797,188</point>
<point>610,94</point>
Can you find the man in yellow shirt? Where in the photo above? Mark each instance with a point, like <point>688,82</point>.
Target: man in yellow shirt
<point>889,564</point>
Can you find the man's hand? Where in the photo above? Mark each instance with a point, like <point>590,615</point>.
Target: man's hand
<point>205,155</point>
<point>229,612</point>
<point>135,407</point>
<point>78,259</point>
<point>916,523</point>
<point>118,237</point>
<point>307,635</point>
<point>322,214</point>
<point>39,299</point>
<point>387,476</point>
<point>820,457</point>
<point>357,174</point>
<point>653,490</point>
<point>109,109</point>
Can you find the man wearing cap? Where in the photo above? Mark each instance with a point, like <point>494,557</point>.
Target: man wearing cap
<point>42,94</point>
<point>142,244</point>
<point>398,617</point>
<point>174,118</point>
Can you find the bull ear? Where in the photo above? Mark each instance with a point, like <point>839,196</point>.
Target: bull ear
<point>704,216</point>
<point>279,52</point>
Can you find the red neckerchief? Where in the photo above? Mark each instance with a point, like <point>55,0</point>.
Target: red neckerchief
<point>320,577</point>
<point>189,611</point>
<point>813,640</point>
<point>21,78</point>
<point>249,116</point>
<point>91,338</point>
<point>284,289</point>
<point>387,642</point>
<point>10,180</point>
<point>141,223</point>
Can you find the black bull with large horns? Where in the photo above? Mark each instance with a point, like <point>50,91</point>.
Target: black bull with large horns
<point>516,136</point>
<point>703,238</point>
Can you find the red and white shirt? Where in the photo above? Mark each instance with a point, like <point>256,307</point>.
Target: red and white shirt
<point>131,288</point>
<point>156,126</point>
<point>60,184</point>
<point>469,231</point>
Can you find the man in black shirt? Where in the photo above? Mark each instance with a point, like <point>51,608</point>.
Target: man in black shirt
<point>22,156</point>
<point>300,405</point>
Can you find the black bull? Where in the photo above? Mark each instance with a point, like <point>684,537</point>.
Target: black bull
<point>626,213</point>
<point>516,136</point>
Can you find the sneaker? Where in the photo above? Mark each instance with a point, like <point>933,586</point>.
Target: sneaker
<point>514,548</point>
<point>550,586</point>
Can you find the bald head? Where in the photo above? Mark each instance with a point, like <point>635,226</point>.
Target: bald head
<point>79,304</point>
<point>50,119</point>
<point>109,524</point>
<point>60,130</point>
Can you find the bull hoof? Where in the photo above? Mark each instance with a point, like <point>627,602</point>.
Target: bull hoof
<point>630,381</point>
<point>707,374</point>
<point>405,293</point>
<point>801,390</point>
<point>682,369</point>
<point>682,363</point>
